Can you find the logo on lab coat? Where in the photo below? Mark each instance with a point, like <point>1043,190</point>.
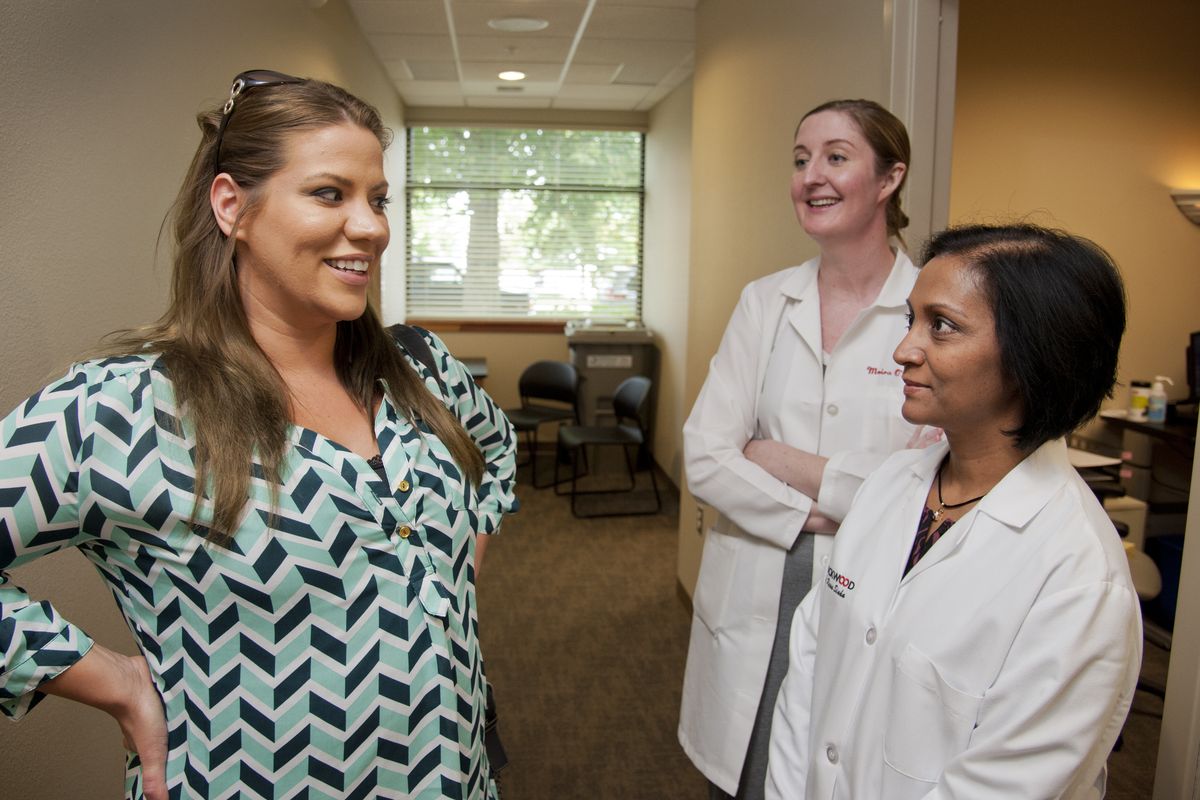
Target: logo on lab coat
<point>889,373</point>
<point>838,583</point>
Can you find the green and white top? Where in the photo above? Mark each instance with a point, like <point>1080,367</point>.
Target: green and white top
<point>331,651</point>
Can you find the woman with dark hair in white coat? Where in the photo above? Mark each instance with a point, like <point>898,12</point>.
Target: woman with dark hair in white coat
<point>801,401</point>
<point>976,634</point>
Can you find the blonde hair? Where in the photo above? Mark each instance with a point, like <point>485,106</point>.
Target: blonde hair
<point>225,386</point>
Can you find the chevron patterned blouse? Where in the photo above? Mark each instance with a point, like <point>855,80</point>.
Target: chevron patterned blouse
<point>332,651</point>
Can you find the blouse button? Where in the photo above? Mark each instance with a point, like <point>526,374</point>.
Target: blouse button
<point>405,531</point>
<point>404,486</point>
<point>831,753</point>
<point>871,635</point>
<point>832,410</point>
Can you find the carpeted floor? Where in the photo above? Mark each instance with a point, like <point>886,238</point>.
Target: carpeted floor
<point>585,640</point>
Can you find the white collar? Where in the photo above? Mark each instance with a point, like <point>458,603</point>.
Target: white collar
<point>1021,493</point>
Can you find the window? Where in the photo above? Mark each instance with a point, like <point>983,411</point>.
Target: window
<point>524,224</point>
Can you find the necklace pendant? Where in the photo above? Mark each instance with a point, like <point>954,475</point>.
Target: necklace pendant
<point>938,512</point>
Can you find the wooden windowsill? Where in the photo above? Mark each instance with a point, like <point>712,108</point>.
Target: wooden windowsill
<point>488,326</point>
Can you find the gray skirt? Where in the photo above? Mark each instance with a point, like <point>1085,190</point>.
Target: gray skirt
<point>797,578</point>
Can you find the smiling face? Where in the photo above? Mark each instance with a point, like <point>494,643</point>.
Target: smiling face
<point>953,377</point>
<point>306,252</point>
<point>836,189</point>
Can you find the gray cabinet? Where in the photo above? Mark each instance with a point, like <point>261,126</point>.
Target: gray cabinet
<point>605,356</point>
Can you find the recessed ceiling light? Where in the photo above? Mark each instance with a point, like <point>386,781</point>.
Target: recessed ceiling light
<point>518,24</point>
<point>511,75</point>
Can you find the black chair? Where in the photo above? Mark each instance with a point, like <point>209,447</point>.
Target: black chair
<point>630,403</point>
<point>556,381</point>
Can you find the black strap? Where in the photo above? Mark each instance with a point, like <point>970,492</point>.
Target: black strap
<point>414,344</point>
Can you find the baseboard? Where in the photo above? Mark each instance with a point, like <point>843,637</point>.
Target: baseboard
<point>684,597</point>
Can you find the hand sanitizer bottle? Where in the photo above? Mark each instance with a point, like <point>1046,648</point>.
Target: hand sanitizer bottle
<point>1157,409</point>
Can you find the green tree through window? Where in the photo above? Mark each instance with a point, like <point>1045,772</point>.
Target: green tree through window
<point>524,224</point>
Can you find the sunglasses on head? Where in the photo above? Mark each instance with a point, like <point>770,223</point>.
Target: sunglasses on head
<point>244,82</point>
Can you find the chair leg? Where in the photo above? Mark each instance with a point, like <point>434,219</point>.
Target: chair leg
<point>533,475</point>
<point>654,483</point>
<point>533,446</point>
<point>558,452</point>
<point>629,466</point>
<point>574,476</point>
<point>560,455</point>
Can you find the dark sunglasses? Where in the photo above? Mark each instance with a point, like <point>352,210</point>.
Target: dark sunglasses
<point>244,82</point>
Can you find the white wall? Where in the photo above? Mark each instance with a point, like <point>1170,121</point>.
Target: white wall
<point>99,102</point>
<point>759,67</point>
<point>666,262</point>
<point>1178,770</point>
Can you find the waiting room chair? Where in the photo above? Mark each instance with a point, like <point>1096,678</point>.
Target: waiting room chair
<point>630,406</point>
<point>556,381</point>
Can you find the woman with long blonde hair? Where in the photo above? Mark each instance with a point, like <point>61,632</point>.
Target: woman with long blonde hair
<point>286,504</point>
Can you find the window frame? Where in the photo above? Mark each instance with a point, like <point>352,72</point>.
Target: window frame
<point>533,323</point>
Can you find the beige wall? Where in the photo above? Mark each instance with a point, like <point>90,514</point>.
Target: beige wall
<point>1084,121</point>
<point>667,261</point>
<point>759,67</point>
<point>99,106</point>
<point>507,355</point>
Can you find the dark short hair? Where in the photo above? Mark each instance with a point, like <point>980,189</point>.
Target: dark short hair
<point>1059,308</point>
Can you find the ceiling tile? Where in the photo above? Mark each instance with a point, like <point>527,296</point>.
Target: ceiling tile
<point>654,3</point>
<point>472,88</point>
<point>400,16</point>
<point>646,72</point>
<point>390,47</point>
<point>486,71</point>
<point>637,23</point>
<point>470,19</point>
<point>433,70</point>
<point>496,48</point>
<point>631,53</point>
<point>623,51</point>
<point>592,73</point>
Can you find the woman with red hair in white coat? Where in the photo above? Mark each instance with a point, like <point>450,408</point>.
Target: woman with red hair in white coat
<point>801,401</point>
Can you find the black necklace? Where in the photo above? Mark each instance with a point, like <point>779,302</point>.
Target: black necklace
<point>940,511</point>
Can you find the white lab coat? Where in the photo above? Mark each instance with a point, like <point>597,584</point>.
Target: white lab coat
<point>1001,666</point>
<point>848,411</point>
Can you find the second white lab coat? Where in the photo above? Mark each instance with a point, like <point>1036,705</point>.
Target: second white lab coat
<point>1001,666</point>
<point>848,410</point>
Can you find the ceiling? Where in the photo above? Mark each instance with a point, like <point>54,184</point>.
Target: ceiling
<point>621,55</point>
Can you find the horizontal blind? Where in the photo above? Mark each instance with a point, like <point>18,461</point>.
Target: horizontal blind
<point>524,224</point>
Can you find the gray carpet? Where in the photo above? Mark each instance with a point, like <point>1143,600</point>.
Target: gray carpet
<point>585,639</point>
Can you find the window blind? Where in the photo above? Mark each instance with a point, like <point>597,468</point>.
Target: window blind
<point>529,224</point>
